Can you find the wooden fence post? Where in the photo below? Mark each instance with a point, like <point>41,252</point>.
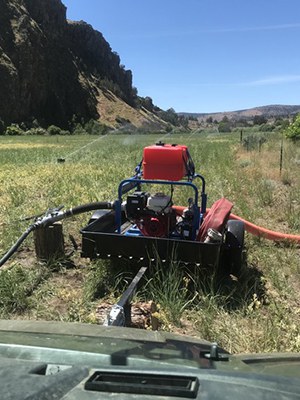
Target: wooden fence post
<point>49,242</point>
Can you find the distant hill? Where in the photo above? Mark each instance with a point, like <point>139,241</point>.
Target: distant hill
<point>269,112</point>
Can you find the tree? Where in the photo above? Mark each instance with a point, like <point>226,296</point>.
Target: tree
<point>224,127</point>
<point>225,119</point>
<point>183,121</point>
<point>147,103</point>
<point>169,116</point>
<point>259,120</point>
<point>293,131</point>
<point>56,130</point>
<point>14,130</point>
<point>2,127</point>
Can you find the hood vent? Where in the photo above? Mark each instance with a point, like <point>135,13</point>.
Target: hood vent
<point>147,384</point>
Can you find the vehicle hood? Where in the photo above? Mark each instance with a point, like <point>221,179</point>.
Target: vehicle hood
<point>62,359</point>
<point>129,346</point>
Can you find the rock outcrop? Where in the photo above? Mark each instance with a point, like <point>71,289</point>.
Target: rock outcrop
<point>52,69</point>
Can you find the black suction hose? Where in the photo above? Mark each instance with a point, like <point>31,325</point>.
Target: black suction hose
<point>15,247</point>
<point>100,205</point>
<point>52,217</point>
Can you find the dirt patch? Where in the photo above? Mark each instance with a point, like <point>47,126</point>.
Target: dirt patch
<point>143,314</point>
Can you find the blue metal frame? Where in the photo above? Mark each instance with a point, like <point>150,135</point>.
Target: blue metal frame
<point>136,181</point>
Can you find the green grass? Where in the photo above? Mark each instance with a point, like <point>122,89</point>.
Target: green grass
<point>257,312</point>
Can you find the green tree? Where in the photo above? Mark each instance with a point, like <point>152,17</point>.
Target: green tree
<point>225,119</point>
<point>259,120</point>
<point>169,116</point>
<point>93,127</point>
<point>293,130</point>
<point>224,127</point>
<point>56,130</point>
<point>2,127</point>
<point>14,130</point>
<point>147,103</point>
<point>183,121</point>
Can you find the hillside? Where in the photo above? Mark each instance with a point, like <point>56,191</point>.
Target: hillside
<point>52,69</point>
<point>269,112</point>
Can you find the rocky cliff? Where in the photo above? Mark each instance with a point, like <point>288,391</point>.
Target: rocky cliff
<point>52,69</point>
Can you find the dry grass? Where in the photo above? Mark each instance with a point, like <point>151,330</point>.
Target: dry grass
<point>112,108</point>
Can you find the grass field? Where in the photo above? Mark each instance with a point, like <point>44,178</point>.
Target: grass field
<point>258,312</point>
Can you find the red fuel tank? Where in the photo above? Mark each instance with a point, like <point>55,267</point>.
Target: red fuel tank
<point>165,162</point>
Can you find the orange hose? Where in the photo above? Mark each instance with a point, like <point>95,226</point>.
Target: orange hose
<point>255,229</point>
<point>266,233</point>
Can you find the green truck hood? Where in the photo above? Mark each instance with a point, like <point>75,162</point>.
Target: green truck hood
<point>57,360</point>
<point>112,344</point>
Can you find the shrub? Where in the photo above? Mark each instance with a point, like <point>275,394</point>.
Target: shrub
<point>56,130</point>
<point>14,130</point>
<point>224,126</point>
<point>78,129</point>
<point>266,128</point>
<point>253,142</point>
<point>293,131</point>
<point>36,132</point>
<point>95,128</point>
<point>2,127</point>
<point>259,120</point>
<point>282,123</point>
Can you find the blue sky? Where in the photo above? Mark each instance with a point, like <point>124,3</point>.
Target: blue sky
<point>203,55</point>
